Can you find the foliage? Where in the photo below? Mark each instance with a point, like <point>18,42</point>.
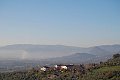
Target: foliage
<point>116,56</point>
<point>109,70</point>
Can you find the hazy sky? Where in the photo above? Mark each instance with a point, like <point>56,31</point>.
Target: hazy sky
<point>68,22</point>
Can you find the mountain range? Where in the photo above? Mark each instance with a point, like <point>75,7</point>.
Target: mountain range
<point>57,52</point>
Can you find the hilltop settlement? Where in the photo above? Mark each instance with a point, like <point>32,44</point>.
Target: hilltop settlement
<point>109,70</point>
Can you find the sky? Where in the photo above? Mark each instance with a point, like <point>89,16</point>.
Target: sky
<point>81,23</point>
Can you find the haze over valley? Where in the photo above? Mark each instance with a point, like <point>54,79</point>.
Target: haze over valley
<point>61,52</point>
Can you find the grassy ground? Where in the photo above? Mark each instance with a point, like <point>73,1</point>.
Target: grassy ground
<point>111,68</point>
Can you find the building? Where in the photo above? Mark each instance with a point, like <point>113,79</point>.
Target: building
<point>44,68</point>
<point>63,66</point>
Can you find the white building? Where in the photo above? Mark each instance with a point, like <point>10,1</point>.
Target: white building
<point>60,66</point>
<point>43,69</point>
<point>63,67</point>
<point>56,66</point>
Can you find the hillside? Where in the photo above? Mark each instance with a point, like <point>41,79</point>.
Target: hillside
<point>74,58</point>
<point>38,52</point>
<point>109,70</point>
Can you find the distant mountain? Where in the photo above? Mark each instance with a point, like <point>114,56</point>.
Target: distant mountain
<point>74,58</point>
<point>98,51</point>
<point>111,48</point>
<point>28,51</point>
<point>37,52</point>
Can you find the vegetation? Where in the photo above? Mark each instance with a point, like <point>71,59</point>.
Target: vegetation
<point>109,70</point>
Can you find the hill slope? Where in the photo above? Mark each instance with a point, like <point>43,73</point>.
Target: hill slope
<point>29,51</point>
<point>109,70</point>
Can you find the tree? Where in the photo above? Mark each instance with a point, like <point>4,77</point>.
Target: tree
<point>116,55</point>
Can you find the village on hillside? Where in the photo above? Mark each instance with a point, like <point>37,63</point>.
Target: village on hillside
<point>109,70</point>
